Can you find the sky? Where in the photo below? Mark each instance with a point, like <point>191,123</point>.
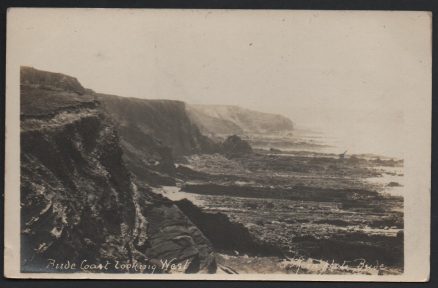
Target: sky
<point>348,74</point>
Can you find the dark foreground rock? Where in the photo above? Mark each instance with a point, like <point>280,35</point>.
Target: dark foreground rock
<point>172,231</point>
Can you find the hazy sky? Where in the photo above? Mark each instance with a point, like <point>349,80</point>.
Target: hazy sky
<point>348,73</point>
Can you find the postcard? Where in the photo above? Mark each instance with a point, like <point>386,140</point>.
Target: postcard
<point>218,144</point>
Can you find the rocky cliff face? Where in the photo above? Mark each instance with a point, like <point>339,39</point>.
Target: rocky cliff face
<point>228,120</point>
<point>77,194</point>
<point>153,133</point>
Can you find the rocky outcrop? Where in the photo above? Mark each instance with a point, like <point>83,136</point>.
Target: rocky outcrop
<point>234,146</point>
<point>173,236</point>
<point>228,237</point>
<point>78,195</point>
<point>219,120</point>
<point>153,133</point>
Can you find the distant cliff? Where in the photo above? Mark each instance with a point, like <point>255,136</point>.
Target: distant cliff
<point>230,120</point>
<point>78,194</point>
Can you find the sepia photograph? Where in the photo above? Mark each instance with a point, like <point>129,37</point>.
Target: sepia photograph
<point>218,144</point>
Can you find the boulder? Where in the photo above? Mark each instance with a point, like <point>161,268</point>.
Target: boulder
<point>234,146</point>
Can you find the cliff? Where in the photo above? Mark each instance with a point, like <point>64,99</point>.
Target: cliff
<point>153,133</point>
<point>229,120</point>
<point>77,193</point>
<point>50,81</point>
